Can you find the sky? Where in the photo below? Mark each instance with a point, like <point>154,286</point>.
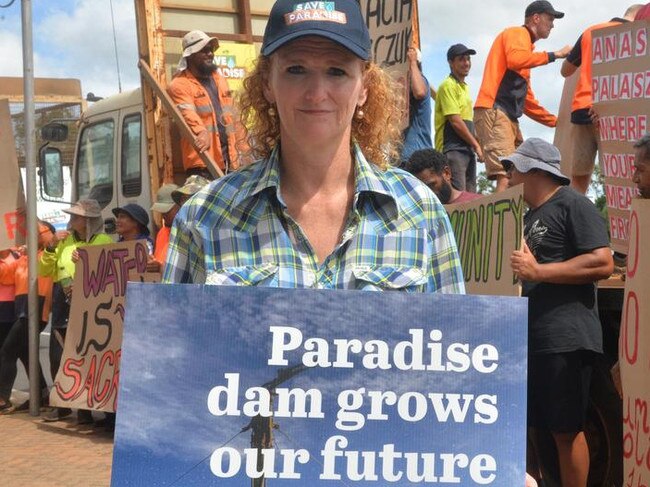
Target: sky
<point>74,39</point>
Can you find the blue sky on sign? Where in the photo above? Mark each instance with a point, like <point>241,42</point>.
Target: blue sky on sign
<point>74,39</point>
<point>172,357</point>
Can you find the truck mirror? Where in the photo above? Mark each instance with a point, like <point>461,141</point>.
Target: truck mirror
<point>51,172</point>
<point>54,132</point>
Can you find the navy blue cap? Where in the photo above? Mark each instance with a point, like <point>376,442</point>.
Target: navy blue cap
<point>542,7</point>
<point>338,20</point>
<point>136,212</point>
<point>459,50</point>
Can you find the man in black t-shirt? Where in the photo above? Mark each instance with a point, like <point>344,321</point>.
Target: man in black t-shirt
<point>566,251</point>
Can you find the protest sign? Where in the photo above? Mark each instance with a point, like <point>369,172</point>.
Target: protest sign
<point>12,198</point>
<point>488,230</point>
<point>221,384</point>
<point>234,62</point>
<point>621,95</point>
<point>390,23</point>
<point>562,137</point>
<point>634,350</point>
<point>90,368</point>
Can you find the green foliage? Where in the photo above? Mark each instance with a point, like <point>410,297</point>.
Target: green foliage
<point>483,184</point>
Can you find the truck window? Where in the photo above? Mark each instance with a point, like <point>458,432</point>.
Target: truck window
<point>95,162</point>
<point>131,168</point>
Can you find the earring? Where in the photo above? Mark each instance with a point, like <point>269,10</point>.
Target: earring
<point>359,114</point>
<point>271,111</point>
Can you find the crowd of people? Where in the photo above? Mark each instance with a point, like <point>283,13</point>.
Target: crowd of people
<point>341,198</point>
<point>57,257</point>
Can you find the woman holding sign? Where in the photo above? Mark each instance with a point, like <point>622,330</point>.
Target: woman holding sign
<point>321,207</point>
<point>58,262</point>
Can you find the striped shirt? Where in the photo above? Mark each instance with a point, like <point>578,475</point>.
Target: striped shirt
<point>237,231</point>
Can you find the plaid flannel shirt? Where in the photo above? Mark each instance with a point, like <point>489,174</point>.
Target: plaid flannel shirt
<point>237,231</point>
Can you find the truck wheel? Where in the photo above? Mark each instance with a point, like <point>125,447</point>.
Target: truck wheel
<point>604,432</point>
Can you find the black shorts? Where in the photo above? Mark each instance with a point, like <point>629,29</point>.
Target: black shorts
<point>558,390</point>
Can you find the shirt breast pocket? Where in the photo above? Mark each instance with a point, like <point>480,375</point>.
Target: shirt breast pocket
<point>263,275</point>
<point>397,261</point>
<point>383,278</point>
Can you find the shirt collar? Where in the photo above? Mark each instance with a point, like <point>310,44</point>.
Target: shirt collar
<point>267,176</point>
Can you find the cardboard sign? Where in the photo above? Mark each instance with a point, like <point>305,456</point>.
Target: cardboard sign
<point>634,350</point>
<point>621,94</point>
<point>487,231</point>
<point>562,137</point>
<point>12,198</point>
<point>90,368</point>
<point>390,23</point>
<point>306,387</point>
<point>234,62</point>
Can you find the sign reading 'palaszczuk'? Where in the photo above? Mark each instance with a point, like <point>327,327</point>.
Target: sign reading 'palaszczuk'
<point>621,95</point>
<point>220,385</point>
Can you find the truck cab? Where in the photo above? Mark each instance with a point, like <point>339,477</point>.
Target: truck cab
<point>110,162</point>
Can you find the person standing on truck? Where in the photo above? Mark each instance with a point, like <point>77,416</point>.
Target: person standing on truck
<point>565,252</point>
<point>206,103</point>
<point>505,93</point>
<point>321,206</point>
<point>418,133</point>
<point>454,120</point>
<point>584,133</point>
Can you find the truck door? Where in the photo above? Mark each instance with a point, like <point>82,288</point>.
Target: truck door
<point>132,171</point>
<point>95,167</point>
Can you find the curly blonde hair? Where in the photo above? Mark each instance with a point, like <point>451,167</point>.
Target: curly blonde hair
<point>377,132</point>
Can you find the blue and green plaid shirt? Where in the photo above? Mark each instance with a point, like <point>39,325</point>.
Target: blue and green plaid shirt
<point>237,231</point>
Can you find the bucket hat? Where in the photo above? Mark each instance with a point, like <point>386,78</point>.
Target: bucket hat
<point>535,153</point>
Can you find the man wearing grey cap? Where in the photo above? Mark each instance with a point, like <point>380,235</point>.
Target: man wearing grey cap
<point>454,120</point>
<point>206,103</point>
<point>505,93</point>
<point>565,252</point>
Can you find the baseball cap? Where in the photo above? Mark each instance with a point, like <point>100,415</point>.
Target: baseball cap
<point>542,7</point>
<point>164,201</point>
<point>535,153</point>
<point>192,185</point>
<point>459,50</point>
<point>338,20</point>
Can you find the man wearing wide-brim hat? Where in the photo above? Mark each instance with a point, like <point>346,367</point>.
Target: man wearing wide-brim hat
<point>565,252</point>
<point>206,103</point>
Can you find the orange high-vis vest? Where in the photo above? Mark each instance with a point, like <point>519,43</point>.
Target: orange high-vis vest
<point>193,101</point>
<point>16,272</point>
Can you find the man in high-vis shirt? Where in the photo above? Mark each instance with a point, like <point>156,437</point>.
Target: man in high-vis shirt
<point>505,93</point>
<point>584,133</point>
